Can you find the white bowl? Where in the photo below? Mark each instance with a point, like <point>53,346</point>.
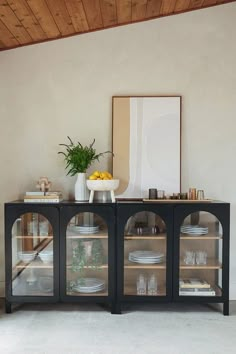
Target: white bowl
<point>27,256</point>
<point>103,185</point>
<point>46,256</point>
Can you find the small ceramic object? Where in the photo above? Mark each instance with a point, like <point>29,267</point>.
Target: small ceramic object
<point>43,184</point>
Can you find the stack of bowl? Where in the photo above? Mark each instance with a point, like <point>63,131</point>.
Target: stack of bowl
<point>27,256</point>
<point>46,256</point>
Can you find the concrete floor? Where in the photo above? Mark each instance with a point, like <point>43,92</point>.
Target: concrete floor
<point>90,329</point>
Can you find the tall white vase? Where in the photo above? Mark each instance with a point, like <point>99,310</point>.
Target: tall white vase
<point>81,190</point>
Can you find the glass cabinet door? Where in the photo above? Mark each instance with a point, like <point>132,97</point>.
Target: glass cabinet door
<point>32,256</point>
<point>87,255</point>
<point>145,250</point>
<point>200,255</point>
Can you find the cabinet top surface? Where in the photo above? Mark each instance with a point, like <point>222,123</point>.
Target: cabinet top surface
<point>122,201</point>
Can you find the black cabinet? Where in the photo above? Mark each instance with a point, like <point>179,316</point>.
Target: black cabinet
<point>117,253</point>
<point>173,251</point>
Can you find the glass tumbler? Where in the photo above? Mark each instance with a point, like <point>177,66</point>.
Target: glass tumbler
<point>189,257</point>
<point>152,285</point>
<point>200,194</point>
<point>141,285</point>
<point>43,228</point>
<point>201,257</point>
<point>160,194</point>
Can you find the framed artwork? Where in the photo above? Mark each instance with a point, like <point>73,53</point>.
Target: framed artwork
<point>146,144</point>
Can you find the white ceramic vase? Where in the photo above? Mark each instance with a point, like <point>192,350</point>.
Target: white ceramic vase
<point>81,190</point>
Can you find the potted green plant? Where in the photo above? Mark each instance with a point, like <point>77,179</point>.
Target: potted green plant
<point>78,159</point>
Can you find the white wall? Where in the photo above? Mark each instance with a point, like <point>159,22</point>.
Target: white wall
<point>64,87</point>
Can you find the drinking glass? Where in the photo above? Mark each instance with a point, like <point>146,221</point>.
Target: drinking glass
<point>189,257</point>
<point>152,285</point>
<point>192,193</point>
<point>201,257</point>
<point>160,194</point>
<point>155,230</point>
<point>200,194</point>
<point>43,228</point>
<point>141,285</point>
<point>152,193</point>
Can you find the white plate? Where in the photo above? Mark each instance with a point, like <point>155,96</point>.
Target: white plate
<point>85,229</point>
<point>195,233</point>
<point>89,287</point>
<point>146,254</point>
<point>88,232</point>
<point>90,282</point>
<point>88,291</point>
<point>194,228</point>
<point>147,259</point>
<point>146,262</point>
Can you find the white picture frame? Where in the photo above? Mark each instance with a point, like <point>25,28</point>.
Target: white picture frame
<point>146,144</point>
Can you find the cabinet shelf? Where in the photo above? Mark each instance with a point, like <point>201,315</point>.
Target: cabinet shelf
<point>200,237</point>
<point>97,236</point>
<point>103,266</point>
<point>211,264</point>
<point>146,237</point>
<point>25,266</point>
<point>130,265</point>
<point>34,237</point>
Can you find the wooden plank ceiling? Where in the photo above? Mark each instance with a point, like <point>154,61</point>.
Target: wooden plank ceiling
<point>24,22</point>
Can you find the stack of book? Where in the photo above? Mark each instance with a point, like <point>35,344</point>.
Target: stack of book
<point>195,287</point>
<point>43,197</point>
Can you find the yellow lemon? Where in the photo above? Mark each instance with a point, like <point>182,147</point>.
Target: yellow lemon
<point>103,175</point>
<point>109,175</point>
<point>92,177</point>
<point>96,173</point>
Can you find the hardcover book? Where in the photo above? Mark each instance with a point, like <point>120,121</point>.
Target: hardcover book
<point>39,193</point>
<point>42,200</point>
<point>193,283</point>
<point>197,292</point>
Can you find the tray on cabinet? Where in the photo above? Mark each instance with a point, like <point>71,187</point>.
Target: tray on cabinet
<point>177,200</point>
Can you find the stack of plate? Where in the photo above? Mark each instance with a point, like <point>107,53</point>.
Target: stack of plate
<point>146,257</point>
<point>86,229</point>
<point>89,285</point>
<point>194,230</point>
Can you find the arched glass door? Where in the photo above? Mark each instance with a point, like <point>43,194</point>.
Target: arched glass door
<point>145,250</point>
<point>32,256</point>
<point>200,254</point>
<point>87,255</point>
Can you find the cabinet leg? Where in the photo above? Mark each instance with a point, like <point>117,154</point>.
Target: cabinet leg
<point>8,308</point>
<point>115,308</point>
<point>226,308</point>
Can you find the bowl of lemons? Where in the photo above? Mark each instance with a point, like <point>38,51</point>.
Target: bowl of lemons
<point>102,181</point>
